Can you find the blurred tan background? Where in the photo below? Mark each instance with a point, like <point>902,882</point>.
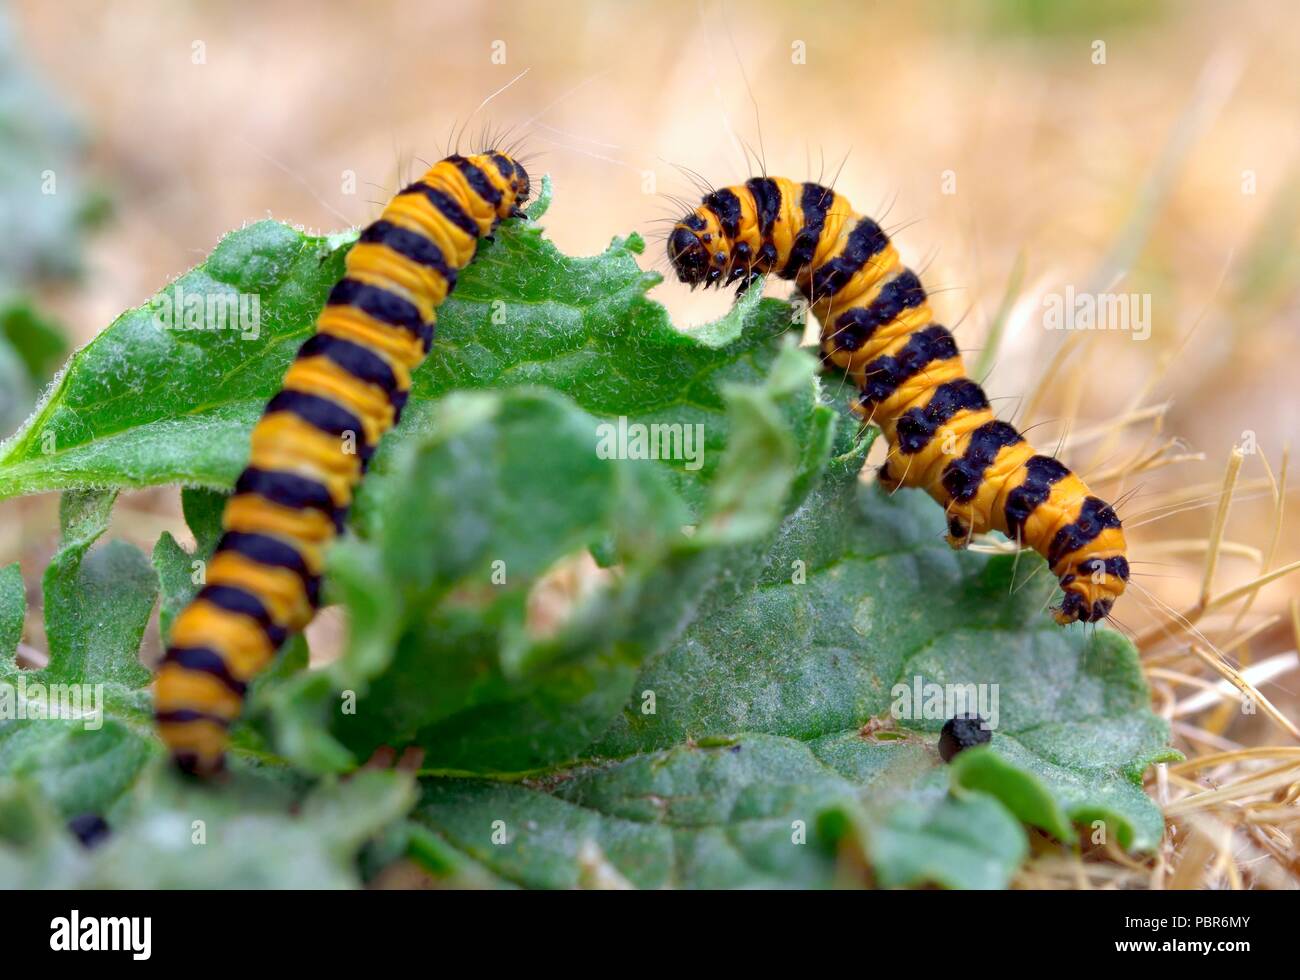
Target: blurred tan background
<point>1171,169</point>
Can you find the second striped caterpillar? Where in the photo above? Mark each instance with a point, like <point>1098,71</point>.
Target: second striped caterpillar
<point>877,326</point>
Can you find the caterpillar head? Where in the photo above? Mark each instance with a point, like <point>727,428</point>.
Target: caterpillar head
<point>1092,588</point>
<point>698,250</point>
<point>517,186</point>
<point>523,187</point>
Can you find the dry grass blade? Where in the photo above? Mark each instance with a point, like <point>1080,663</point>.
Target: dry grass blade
<point>1235,459</point>
<point>1248,689</point>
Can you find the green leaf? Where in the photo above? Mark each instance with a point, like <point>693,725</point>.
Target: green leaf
<point>99,738</point>
<point>31,348</point>
<point>142,405</point>
<point>745,496</point>
<point>16,389</point>
<point>749,811</point>
<point>39,342</point>
<point>100,754</point>
<point>13,610</point>
<point>252,832</point>
<point>80,728</point>
<point>1055,796</point>
<point>886,603</point>
<point>97,604</point>
<point>495,491</point>
<point>813,655</point>
<point>964,841</point>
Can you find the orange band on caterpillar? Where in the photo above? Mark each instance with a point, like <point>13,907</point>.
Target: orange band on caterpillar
<point>346,389</point>
<point>877,326</point>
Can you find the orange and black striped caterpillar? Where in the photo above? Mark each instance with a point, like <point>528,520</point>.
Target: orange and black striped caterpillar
<point>310,449</point>
<point>877,326</point>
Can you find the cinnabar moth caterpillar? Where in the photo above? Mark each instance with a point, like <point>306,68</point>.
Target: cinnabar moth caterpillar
<point>346,389</point>
<point>878,327</point>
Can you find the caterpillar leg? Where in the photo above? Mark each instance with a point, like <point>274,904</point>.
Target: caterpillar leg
<point>887,478</point>
<point>749,279</point>
<point>961,526</point>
